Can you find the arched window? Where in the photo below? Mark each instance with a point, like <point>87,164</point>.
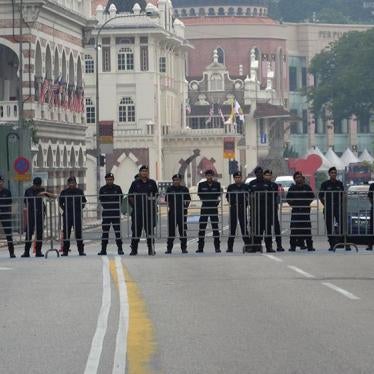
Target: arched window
<point>255,12</point>
<point>125,59</point>
<point>201,12</point>
<point>192,12</point>
<point>231,12</point>
<point>240,12</point>
<point>126,110</point>
<point>221,11</point>
<point>89,64</point>
<point>90,111</point>
<point>221,55</point>
<point>184,13</point>
<point>216,82</point>
<point>211,12</point>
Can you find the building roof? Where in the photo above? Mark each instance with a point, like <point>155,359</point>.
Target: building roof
<point>266,110</point>
<point>226,20</point>
<point>126,5</point>
<point>203,3</point>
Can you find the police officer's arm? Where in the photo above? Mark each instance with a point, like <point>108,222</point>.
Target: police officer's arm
<point>7,201</point>
<point>218,195</point>
<point>228,194</point>
<point>131,194</point>
<point>101,196</point>
<point>289,196</point>
<point>310,195</point>
<point>167,193</point>
<point>370,193</point>
<point>321,194</point>
<point>187,198</point>
<point>200,192</point>
<point>61,200</point>
<point>83,200</point>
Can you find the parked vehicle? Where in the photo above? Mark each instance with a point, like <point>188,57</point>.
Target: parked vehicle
<point>357,173</point>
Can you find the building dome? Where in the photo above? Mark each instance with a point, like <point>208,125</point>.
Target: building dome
<point>126,5</point>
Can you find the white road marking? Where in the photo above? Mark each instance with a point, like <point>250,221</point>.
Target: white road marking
<point>5,268</point>
<point>277,259</point>
<point>102,323</point>
<point>300,271</point>
<point>119,366</point>
<point>341,290</point>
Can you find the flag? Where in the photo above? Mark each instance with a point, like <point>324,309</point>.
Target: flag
<point>231,119</point>
<point>43,91</point>
<point>55,92</point>
<point>211,112</point>
<point>238,111</point>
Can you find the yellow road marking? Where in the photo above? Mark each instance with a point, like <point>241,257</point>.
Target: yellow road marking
<point>140,340</point>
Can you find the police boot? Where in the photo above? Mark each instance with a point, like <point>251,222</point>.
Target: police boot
<point>184,246</point>
<point>38,250</point>
<point>81,250</point>
<point>11,250</point>
<point>120,250</point>
<point>103,250</point>
<point>26,252</point>
<point>200,247</point>
<point>217,244</point>
<point>169,247</point>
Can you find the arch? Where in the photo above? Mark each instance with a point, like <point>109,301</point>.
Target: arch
<point>221,11</point>
<point>216,82</point>
<point>125,171</point>
<point>184,13</point>
<point>58,157</point>
<point>9,72</point>
<point>49,158</point>
<point>56,65</point>
<point>192,12</point>
<point>40,158</point>
<point>254,12</point>
<point>72,158</point>
<point>231,11</point>
<point>65,158</point>
<point>80,158</point>
<point>202,12</point>
<point>248,12</point>
<point>176,13</point>
<point>221,55</point>
<point>260,12</point>
<point>239,12</point>
<point>211,12</point>
<point>79,73</point>
<point>38,61</point>
<point>48,63</point>
<point>63,67</point>
<point>71,70</point>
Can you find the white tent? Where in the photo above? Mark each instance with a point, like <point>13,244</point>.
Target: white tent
<point>366,156</point>
<point>348,157</point>
<point>326,164</point>
<point>334,159</point>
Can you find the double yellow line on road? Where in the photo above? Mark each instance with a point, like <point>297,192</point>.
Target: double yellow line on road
<point>140,340</point>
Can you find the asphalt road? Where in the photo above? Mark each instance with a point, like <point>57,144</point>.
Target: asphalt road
<point>196,314</point>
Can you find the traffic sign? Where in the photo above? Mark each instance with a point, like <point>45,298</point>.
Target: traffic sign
<point>21,165</point>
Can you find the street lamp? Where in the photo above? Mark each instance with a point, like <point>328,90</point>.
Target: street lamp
<point>151,13</point>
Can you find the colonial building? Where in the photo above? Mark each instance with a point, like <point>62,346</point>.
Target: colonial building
<point>42,113</point>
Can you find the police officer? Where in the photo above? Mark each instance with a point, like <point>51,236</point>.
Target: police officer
<point>110,197</point>
<point>274,208</point>
<point>299,197</point>
<point>209,193</point>
<point>72,201</point>
<point>237,197</point>
<point>261,211</point>
<point>178,199</point>
<point>143,198</point>
<point>5,215</point>
<point>331,196</point>
<point>371,231</point>
<point>33,200</point>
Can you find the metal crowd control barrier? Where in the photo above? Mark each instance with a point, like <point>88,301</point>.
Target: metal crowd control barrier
<point>346,219</point>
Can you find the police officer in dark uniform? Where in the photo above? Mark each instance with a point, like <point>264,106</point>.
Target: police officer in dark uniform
<point>178,199</point>
<point>72,201</point>
<point>6,216</point>
<point>209,193</point>
<point>143,200</point>
<point>371,231</point>
<point>237,197</point>
<point>274,203</point>
<point>299,197</point>
<point>331,196</point>
<point>261,211</point>
<point>33,200</point>
<point>110,197</point>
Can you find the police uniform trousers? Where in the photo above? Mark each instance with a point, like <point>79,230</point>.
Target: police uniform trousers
<point>6,222</point>
<point>301,227</point>
<point>277,229</point>
<point>68,222</point>
<point>205,213</point>
<point>238,213</point>
<point>261,222</point>
<point>334,215</point>
<point>143,220</point>
<point>34,224</point>
<point>113,219</point>
<point>177,218</point>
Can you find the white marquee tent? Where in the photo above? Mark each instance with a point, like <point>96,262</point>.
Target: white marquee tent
<point>326,164</point>
<point>348,157</point>
<point>334,159</point>
<point>366,156</point>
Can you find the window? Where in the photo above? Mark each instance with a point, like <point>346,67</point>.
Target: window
<point>216,82</point>
<point>144,40</point>
<point>192,12</point>
<point>89,64</point>
<point>221,55</point>
<point>126,112</point>
<point>201,12</point>
<point>294,126</point>
<point>293,78</point>
<point>106,58</point>
<point>303,77</point>
<point>125,40</point>
<point>221,12</point>
<point>90,111</point>
<point>144,63</point>
<point>125,59</point>
<point>231,12</point>
<point>305,121</point>
<point>162,64</point>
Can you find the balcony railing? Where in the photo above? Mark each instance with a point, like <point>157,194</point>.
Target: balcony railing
<point>8,111</point>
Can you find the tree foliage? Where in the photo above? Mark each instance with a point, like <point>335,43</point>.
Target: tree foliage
<point>344,76</point>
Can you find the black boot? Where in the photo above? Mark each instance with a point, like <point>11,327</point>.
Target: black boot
<point>103,250</point>
<point>81,250</point>
<point>11,250</point>
<point>120,251</point>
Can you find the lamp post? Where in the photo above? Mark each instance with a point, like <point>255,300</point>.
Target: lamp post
<point>97,47</point>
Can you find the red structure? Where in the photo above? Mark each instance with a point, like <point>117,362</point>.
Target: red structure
<point>308,166</point>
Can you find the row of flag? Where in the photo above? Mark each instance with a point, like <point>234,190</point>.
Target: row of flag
<point>236,112</point>
<point>58,94</point>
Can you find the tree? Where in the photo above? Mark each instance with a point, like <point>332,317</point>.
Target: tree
<point>344,77</point>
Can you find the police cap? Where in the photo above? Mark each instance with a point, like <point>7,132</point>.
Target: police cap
<point>144,167</point>
<point>37,181</point>
<point>257,169</point>
<point>237,174</point>
<point>72,179</point>
<point>268,171</point>
<point>109,175</point>
<point>209,172</point>
<point>177,176</point>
